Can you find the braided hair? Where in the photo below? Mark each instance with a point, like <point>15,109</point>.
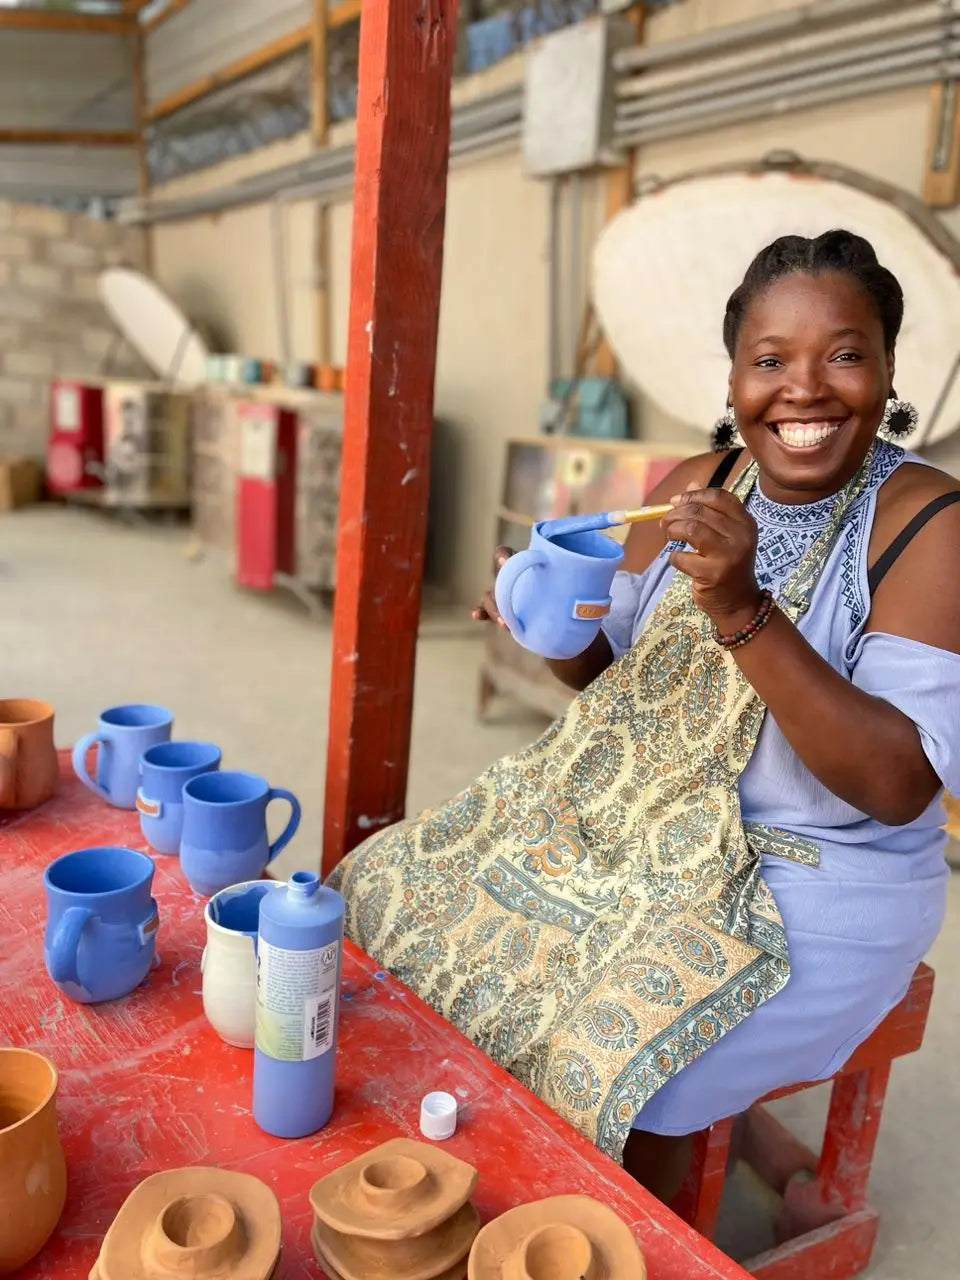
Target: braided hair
<point>841,251</point>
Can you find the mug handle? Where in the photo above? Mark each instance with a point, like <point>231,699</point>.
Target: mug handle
<point>66,939</point>
<point>507,578</point>
<point>150,925</point>
<point>278,793</point>
<point>9,745</point>
<point>80,762</point>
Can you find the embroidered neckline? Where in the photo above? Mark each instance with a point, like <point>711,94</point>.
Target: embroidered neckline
<point>809,515</point>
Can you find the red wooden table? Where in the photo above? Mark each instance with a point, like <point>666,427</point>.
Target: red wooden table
<point>145,1084</point>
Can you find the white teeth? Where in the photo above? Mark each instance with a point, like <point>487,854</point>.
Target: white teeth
<point>805,435</point>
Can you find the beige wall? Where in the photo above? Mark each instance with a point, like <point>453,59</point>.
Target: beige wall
<point>220,268</point>
<point>493,359</point>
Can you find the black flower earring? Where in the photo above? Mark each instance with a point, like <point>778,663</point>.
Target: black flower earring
<point>725,431</point>
<point>899,418</point>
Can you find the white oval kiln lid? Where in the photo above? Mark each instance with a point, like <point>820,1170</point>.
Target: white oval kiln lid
<point>664,268</point>
<point>153,324</point>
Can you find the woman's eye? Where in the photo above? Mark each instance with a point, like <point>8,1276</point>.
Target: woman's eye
<point>768,362</point>
<point>848,357</point>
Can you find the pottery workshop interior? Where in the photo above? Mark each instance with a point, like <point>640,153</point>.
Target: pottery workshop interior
<point>479,639</point>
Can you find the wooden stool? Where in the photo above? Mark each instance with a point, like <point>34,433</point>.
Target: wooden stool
<point>827,1228</point>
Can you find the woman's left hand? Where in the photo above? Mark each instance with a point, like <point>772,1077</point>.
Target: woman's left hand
<point>724,537</point>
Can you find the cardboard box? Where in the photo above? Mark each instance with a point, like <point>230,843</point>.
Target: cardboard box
<point>19,483</point>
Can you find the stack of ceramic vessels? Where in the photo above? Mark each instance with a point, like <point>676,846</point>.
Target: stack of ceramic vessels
<point>401,1211</point>
<point>197,1223</point>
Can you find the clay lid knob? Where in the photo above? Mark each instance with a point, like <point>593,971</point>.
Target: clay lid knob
<point>390,1186</point>
<point>556,1252</point>
<point>196,1236</point>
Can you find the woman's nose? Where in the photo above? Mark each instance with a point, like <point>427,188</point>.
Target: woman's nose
<point>803,384</point>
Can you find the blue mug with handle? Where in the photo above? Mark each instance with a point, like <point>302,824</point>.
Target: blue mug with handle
<point>101,934</point>
<point>123,735</point>
<point>555,595</point>
<point>164,771</point>
<point>225,837</point>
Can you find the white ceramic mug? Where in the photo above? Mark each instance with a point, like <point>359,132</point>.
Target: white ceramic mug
<point>229,962</point>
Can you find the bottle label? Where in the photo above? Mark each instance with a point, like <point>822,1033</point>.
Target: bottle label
<point>296,1001</point>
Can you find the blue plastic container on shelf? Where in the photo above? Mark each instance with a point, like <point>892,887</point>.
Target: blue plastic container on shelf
<point>299,958</point>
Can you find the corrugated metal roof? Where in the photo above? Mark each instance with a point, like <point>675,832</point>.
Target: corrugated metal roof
<point>71,175</point>
<point>70,6</point>
<point>65,80</point>
<point>209,35</point>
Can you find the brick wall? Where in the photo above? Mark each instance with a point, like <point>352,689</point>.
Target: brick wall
<point>51,320</point>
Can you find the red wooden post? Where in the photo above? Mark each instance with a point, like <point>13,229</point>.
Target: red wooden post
<point>403,143</point>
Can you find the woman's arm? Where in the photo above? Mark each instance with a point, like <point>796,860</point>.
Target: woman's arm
<point>862,747</point>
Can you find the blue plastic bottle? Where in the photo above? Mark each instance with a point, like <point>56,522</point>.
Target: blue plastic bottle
<point>299,955</point>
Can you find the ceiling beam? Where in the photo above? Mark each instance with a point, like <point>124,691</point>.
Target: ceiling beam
<point>244,66</point>
<point>67,137</point>
<point>174,7</point>
<point>344,12</point>
<point>46,20</point>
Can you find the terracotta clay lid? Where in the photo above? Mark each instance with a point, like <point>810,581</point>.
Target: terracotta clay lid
<point>205,1224</point>
<point>441,1252</point>
<point>564,1238</point>
<point>395,1191</point>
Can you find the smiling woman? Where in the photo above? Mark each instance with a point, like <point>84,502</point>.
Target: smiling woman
<point>716,874</point>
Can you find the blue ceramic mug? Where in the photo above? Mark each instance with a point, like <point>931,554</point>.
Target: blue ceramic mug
<point>225,836</point>
<point>164,771</point>
<point>123,735</point>
<point>102,923</point>
<point>555,595</point>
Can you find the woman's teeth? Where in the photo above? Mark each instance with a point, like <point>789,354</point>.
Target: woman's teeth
<point>804,435</point>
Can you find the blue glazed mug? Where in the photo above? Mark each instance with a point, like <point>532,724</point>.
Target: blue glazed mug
<point>123,735</point>
<point>225,836</point>
<point>555,595</point>
<point>102,923</point>
<point>164,771</point>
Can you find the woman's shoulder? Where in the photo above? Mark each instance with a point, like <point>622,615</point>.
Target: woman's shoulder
<point>646,541</point>
<point>911,487</point>
<point>699,470</point>
<point>919,596</point>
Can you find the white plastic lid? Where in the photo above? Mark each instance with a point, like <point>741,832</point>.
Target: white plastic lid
<point>438,1116</point>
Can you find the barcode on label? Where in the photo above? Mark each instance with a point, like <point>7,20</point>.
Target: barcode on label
<point>320,1028</point>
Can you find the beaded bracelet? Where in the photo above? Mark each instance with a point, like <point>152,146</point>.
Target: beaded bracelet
<point>758,622</point>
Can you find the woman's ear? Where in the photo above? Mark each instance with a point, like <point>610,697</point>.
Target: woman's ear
<point>891,369</point>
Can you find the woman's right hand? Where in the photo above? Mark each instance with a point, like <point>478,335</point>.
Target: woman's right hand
<point>487,610</point>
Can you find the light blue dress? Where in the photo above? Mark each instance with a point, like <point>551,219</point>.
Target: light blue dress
<point>859,924</point>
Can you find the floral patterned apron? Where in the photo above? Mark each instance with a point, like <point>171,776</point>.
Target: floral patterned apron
<point>590,911</point>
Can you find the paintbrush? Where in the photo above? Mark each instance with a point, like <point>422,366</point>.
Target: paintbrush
<point>601,520</point>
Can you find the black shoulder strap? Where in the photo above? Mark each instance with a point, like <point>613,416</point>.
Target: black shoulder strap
<point>906,536</point>
<point>727,463</point>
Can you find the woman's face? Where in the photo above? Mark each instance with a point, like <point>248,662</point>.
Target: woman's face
<point>810,380</point>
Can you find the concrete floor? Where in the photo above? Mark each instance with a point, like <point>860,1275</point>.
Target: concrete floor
<point>94,613</point>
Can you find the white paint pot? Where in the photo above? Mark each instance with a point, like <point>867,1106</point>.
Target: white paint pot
<point>229,962</point>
